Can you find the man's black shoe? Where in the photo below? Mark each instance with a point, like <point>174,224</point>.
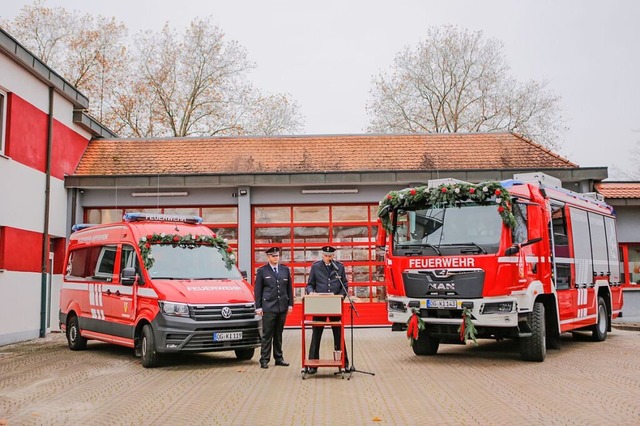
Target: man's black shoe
<point>282,362</point>
<point>264,365</point>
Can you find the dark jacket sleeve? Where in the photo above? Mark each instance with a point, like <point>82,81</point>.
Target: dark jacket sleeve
<point>311,283</point>
<point>258,286</point>
<point>290,287</point>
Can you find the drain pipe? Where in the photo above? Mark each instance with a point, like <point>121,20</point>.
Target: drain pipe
<point>45,232</point>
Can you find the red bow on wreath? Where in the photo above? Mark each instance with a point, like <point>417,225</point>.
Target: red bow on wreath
<point>414,326</point>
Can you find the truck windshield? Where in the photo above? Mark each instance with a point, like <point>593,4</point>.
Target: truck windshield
<point>196,263</point>
<point>470,228</point>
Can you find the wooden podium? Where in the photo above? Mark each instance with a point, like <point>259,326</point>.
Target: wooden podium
<point>322,305</point>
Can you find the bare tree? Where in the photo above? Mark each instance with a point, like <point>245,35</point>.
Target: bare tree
<point>168,84</point>
<point>89,52</point>
<point>456,81</point>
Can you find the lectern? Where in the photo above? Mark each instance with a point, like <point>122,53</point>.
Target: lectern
<point>322,305</point>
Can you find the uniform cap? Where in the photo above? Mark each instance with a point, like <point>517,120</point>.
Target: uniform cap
<point>328,250</point>
<point>273,250</point>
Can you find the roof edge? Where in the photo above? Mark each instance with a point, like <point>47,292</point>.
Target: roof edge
<point>16,51</point>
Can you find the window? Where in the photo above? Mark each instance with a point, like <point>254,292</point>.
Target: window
<point>91,262</point>
<point>562,255</point>
<point>301,230</point>
<point>129,259</point>
<point>3,119</point>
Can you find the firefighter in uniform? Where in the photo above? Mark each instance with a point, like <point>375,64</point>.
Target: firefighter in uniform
<point>324,277</point>
<point>273,292</point>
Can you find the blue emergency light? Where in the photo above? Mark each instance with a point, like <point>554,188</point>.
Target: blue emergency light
<point>157,217</point>
<point>81,226</point>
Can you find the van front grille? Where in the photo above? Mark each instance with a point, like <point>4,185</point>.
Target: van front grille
<point>214,312</point>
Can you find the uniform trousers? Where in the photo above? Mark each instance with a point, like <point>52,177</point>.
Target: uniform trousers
<point>316,337</point>
<point>272,328</point>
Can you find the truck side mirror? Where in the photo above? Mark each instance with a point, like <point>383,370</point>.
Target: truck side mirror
<point>512,250</point>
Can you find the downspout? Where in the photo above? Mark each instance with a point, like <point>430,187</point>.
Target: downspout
<point>45,232</point>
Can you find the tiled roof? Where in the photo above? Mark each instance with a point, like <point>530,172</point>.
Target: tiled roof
<point>619,189</point>
<point>313,154</point>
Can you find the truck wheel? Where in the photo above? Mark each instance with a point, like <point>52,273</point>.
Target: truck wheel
<point>599,333</point>
<point>534,348</point>
<point>149,356</point>
<point>426,344</point>
<point>245,354</point>
<point>74,339</point>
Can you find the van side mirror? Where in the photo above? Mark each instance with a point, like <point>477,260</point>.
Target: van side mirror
<point>244,274</point>
<point>129,276</point>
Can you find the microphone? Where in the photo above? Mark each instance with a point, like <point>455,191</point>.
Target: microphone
<point>334,265</point>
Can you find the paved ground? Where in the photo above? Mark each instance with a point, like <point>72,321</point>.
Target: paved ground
<point>585,383</point>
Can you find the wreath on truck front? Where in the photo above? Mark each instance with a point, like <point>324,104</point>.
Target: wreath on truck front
<point>447,194</point>
<point>185,241</point>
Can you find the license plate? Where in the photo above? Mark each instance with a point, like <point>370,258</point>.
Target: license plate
<point>441,303</point>
<point>223,337</point>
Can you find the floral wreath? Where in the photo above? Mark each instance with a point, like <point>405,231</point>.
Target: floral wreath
<point>185,241</point>
<point>447,194</point>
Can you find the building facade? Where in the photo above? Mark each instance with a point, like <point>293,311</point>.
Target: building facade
<point>299,192</point>
<point>43,135</point>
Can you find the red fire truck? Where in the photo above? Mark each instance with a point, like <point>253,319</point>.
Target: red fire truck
<point>522,258</point>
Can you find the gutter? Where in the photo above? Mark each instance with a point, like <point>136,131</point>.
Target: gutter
<point>45,232</point>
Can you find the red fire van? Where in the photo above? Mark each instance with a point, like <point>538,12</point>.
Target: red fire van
<point>158,284</point>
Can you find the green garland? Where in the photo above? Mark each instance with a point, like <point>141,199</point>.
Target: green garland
<point>184,241</point>
<point>467,330</point>
<point>448,194</point>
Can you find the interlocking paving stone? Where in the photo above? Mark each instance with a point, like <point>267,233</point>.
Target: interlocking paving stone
<point>42,382</point>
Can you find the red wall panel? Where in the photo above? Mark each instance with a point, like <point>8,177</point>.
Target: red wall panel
<point>27,139</point>
<point>27,136</point>
<point>68,147</point>
<point>59,246</point>
<point>22,250</point>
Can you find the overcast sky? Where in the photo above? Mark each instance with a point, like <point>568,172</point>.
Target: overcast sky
<point>324,53</point>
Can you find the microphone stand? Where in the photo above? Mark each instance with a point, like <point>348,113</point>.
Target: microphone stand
<point>352,368</point>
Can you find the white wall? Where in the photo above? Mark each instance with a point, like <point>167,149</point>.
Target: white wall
<point>19,306</point>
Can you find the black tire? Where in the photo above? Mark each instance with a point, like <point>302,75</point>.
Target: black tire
<point>599,330</point>
<point>425,344</point>
<point>534,347</point>
<point>74,338</point>
<point>245,354</point>
<point>149,357</point>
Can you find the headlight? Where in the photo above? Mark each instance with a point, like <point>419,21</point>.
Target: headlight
<point>395,305</point>
<point>174,309</point>
<point>496,308</point>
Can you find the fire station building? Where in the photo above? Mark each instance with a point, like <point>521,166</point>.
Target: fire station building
<point>303,192</point>
<point>59,167</point>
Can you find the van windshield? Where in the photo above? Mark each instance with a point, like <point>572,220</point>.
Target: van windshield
<point>190,263</point>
